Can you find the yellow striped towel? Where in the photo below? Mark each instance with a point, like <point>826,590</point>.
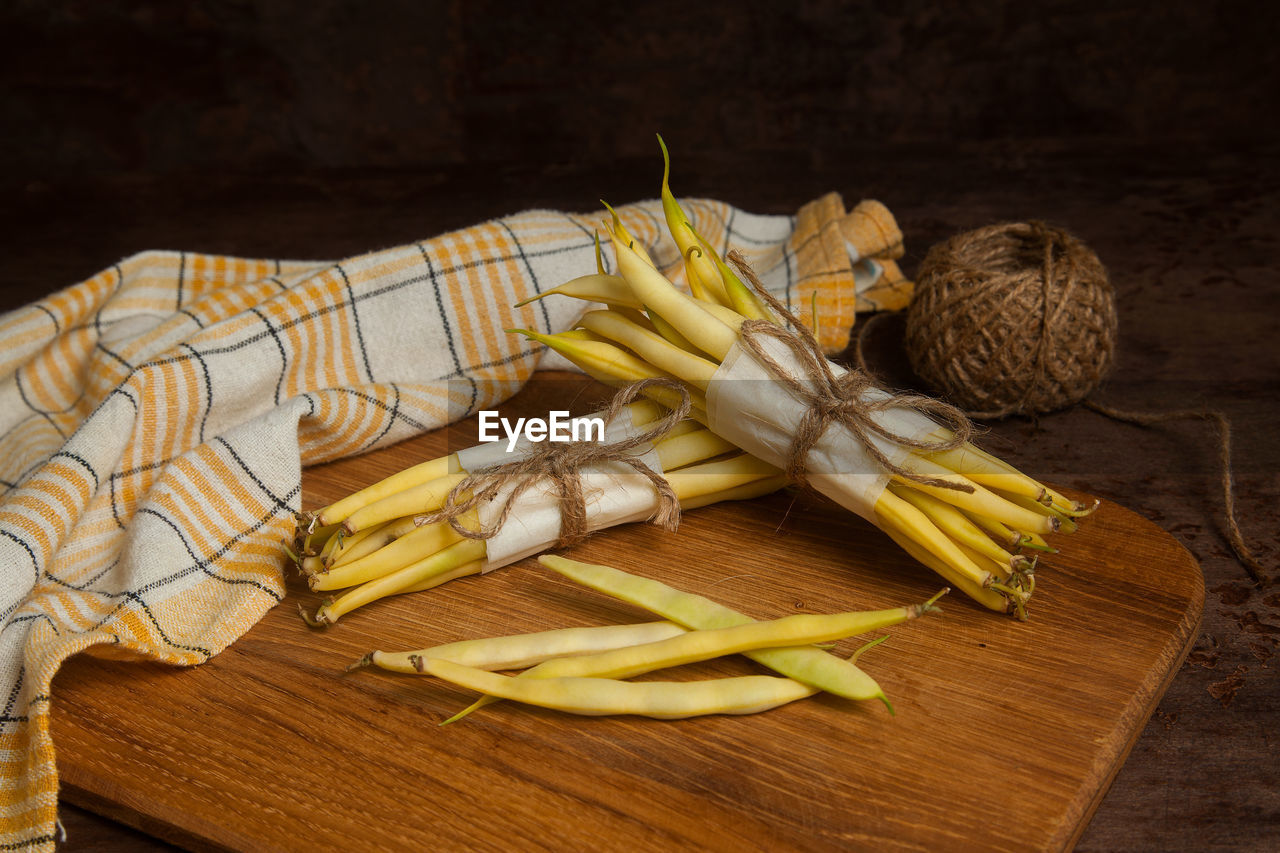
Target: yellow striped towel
<point>154,420</point>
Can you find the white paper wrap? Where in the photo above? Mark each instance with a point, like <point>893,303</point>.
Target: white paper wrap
<point>614,493</point>
<point>747,406</point>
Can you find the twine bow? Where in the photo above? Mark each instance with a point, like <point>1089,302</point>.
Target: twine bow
<point>562,463</point>
<point>841,398</point>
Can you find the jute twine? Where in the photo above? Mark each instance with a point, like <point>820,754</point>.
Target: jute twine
<point>561,464</point>
<point>833,398</point>
<point>1020,319</point>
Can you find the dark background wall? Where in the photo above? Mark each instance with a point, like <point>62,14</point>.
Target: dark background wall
<point>161,86</point>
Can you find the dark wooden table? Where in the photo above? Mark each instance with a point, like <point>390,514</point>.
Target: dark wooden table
<point>1192,241</point>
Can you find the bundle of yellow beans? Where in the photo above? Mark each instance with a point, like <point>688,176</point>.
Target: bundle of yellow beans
<point>956,509</point>
<point>582,670</point>
<point>382,540</point>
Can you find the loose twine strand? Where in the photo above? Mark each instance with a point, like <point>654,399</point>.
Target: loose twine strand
<point>1223,427</point>
<point>562,464</point>
<point>832,398</point>
<point>987,272</point>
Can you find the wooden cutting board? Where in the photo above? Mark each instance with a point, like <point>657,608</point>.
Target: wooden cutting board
<point>1006,734</point>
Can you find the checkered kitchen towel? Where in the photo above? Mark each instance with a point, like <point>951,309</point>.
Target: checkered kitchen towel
<point>154,420</point>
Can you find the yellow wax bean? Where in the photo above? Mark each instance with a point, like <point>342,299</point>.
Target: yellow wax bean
<point>917,525</point>
<point>383,535</point>
<point>1066,522</point>
<point>609,289</point>
<point>1000,571</point>
<point>614,366</point>
<point>404,580</point>
<point>473,568</point>
<point>979,500</point>
<point>983,467</point>
<point>622,232</point>
<point>410,548</point>
<point>1004,534</point>
<point>801,629</point>
<point>341,539</point>
<point>1036,542</point>
<point>742,299</point>
<point>314,541</point>
<point>1060,502</point>
<point>424,472</point>
<point>518,651</point>
<point>684,427</point>
<point>798,630</point>
<point>580,335</point>
<point>708,477</point>
<point>651,347</point>
<point>646,412</point>
<point>1068,507</point>
<point>989,598</point>
<point>730,318</point>
<point>685,313</point>
<point>677,451</point>
<point>704,278</point>
<point>639,318</point>
<point>669,332</point>
<point>747,491</point>
<point>604,358</point>
<point>666,700</point>
<point>335,541</point>
<point>806,664</point>
<point>599,253</point>
<point>1018,538</point>
<point>422,498</point>
<point>958,527</point>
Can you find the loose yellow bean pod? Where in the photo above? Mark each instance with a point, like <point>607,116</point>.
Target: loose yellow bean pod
<point>517,651</point>
<point>678,650</point>
<point>664,700</point>
<point>808,665</point>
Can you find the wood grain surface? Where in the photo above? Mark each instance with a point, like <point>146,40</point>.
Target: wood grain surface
<point>1006,735</point>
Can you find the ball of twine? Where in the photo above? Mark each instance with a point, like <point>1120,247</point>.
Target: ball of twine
<point>1016,318</point>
